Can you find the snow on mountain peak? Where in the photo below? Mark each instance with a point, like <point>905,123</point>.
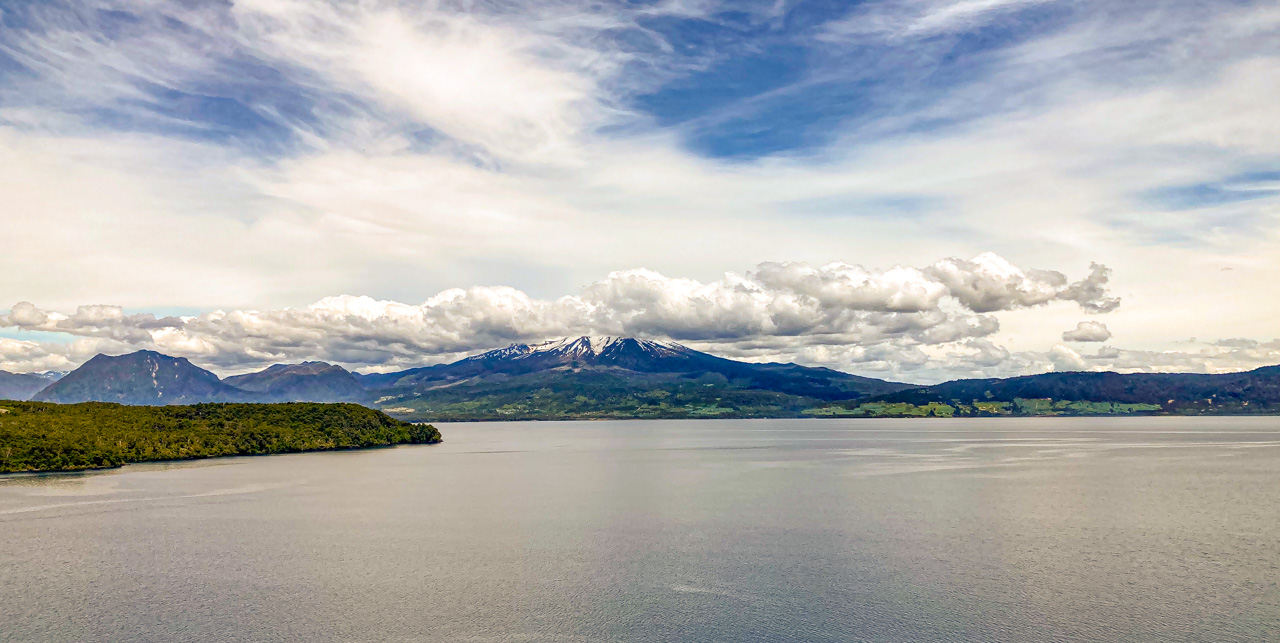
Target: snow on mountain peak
<point>581,347</point>
<point>593,344</point>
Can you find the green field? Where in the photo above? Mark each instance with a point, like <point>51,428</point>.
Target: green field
<point>1019,407</point>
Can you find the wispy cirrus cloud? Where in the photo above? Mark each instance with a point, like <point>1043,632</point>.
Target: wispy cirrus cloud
<point>903,19</point>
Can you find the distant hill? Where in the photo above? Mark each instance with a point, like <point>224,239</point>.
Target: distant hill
<point>305,382</point>
<point>20,386</point>
<point>1256,391</point>
<point>142,378</point>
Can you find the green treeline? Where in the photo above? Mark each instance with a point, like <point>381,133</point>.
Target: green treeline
<point>37,436</point>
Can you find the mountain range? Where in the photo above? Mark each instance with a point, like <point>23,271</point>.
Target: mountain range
<point>622,377</point>
<point>20,386</point>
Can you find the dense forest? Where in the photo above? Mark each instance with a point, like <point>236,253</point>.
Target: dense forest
<point>38,436</point>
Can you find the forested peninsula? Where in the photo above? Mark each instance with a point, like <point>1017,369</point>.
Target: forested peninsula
<point>39,436</point>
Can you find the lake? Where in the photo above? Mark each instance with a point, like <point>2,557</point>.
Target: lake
<point>1044,529</point>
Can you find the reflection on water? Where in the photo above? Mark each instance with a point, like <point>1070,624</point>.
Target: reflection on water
<point>1151,529</point>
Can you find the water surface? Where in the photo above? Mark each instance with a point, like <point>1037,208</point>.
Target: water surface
<point>1053,529</point>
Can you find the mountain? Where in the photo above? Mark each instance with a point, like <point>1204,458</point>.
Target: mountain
<point>20,386</point>
<point>568,378</point>
<point>636,356</point>
<point>142,378</point>
<point>1256,391</point>
<point>611,377</point>
<point>305,382</point>
<point>622,377</point>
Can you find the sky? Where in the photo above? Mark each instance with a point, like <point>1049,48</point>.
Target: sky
<point>917,190</point>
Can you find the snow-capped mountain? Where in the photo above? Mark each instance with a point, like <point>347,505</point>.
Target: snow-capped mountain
<point>588,348</point>
<point>623,355</point>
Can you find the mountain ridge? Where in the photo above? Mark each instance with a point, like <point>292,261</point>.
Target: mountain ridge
<point>616,377</point>
<point>144,378</point>
<point>305,382</point>
<point>20,386</point>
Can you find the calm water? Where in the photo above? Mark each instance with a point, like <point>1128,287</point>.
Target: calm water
<point>1143,529</point>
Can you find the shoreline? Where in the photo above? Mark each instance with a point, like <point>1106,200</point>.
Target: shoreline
<point>1269,413</point>
<point>43,472</point>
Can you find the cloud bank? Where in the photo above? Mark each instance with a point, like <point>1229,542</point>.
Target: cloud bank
<point>837,304</point>
<point>923,324</point>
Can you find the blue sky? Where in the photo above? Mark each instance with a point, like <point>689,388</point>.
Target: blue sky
<point>258,157</point>
<point>741,81</point>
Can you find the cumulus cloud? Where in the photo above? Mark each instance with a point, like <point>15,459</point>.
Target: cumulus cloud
<point>23,356</point>
<point>884,314</point>
<point>1066,359</point>
<point>25,315</point>
<point>989,283</point>
<point>1087,331</point>
<point>16,355</point>
<point>1091,292</point>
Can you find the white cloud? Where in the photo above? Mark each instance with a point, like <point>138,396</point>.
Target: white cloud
<point>902,19</point>
<point>1087,331</point>
<point>1066,359</point>
<point>24,356</point>
<point>989,282</point>
<point>510,91</point>
<point>441,149</point>
<point>882,312</point>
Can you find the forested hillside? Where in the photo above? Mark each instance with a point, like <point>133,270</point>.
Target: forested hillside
<point>38,436</point>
